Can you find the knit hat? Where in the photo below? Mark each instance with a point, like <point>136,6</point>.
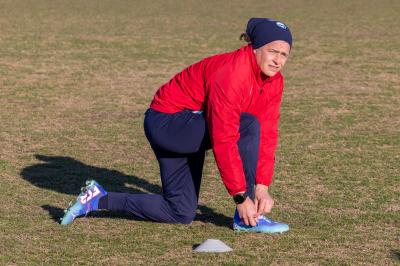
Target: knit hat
<point>264,30</point>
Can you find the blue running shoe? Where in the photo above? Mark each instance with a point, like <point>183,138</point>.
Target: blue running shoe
<point>264,225</point>
<point>86,202</point>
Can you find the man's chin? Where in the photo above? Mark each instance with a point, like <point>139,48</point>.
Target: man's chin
<point>271,73</point>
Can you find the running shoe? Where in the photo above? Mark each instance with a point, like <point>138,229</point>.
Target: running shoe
<point>87,201</point>
<point>264,225</point>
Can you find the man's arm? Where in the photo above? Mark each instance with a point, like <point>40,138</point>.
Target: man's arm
<point>223,117</point>
<point>268,142</point>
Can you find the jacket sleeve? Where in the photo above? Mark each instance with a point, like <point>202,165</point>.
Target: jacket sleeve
<point>268,140</point>
<point>223,117</point>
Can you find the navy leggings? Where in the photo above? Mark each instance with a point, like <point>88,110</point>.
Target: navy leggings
<point>179,142</point>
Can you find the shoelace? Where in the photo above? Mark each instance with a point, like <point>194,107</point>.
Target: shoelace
<point>262,217</point>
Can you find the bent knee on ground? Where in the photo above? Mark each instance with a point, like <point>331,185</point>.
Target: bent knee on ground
<point>185,217</point>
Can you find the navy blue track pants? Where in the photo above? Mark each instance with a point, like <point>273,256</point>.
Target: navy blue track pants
<point>179,142</point>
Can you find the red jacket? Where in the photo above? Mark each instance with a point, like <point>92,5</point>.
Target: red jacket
<point>224,86</point>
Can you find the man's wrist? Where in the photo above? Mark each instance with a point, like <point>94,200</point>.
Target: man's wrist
<point>262,186</point>
<point>240,197</point>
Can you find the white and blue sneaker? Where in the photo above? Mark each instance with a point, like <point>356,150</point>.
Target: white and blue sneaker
<point>87,201</point>
<point>264,225</point>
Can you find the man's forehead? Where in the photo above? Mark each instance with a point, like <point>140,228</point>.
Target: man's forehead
<point>280,46</point>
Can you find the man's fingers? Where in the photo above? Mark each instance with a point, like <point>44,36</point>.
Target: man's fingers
<point>246,221</point>
<point>252,221</point>
<point>269,206</point>
<point>261,207</point>
<point>264,206</point>
<point>247,212</point>
<point>249,220</point>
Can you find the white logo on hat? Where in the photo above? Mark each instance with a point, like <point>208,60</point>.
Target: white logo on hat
<point>280,24</point>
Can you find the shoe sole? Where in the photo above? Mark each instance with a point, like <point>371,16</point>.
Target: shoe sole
<point>251,229</point>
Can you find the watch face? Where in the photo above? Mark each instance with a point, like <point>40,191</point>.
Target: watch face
<point>239,198</point>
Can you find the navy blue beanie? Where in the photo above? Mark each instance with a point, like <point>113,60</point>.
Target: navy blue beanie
<point>264,30</point>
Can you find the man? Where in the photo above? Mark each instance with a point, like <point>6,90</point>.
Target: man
<point>229,102</point>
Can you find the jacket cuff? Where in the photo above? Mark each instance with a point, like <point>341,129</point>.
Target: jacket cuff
<point>233,192</point>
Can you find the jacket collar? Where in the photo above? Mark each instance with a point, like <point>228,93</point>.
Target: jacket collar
<point>260,77</point>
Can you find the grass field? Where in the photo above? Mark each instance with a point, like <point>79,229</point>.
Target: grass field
<point>77,76</point>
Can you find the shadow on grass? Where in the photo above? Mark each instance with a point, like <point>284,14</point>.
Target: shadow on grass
<point>56,213</point>
<point>395,254</point>
<point>195,246</point>
<point>207,215</point>
<point>67,175</point>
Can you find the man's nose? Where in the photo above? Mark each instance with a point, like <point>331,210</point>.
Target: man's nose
<point>276,59</point>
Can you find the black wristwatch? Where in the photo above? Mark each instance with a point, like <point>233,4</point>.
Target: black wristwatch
<point>239,198</point>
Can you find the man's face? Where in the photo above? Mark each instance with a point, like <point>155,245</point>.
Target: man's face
<point>272,56</point>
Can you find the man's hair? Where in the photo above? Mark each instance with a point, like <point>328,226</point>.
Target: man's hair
<point>245,37</point>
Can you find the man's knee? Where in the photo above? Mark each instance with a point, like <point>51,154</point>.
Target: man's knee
<point>184,211</point>
<point>186,218</point>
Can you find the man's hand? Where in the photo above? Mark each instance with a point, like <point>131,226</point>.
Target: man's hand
<point>248,212</point>
<point>263,200</point>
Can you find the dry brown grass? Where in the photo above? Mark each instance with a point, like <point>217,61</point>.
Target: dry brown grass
<point>76,77</point>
